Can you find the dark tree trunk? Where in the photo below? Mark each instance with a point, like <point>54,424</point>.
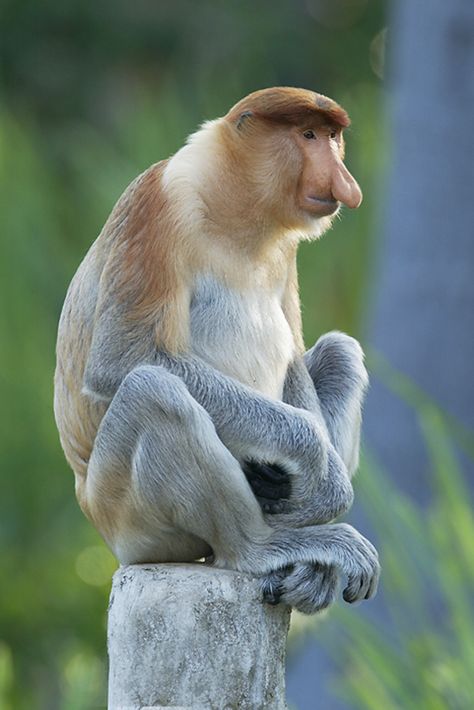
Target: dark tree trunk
<point>424,297</point>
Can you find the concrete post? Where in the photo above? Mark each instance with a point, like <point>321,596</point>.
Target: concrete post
<point>191,636</point>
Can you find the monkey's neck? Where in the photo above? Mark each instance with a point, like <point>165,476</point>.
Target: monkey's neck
<point>211,194</point>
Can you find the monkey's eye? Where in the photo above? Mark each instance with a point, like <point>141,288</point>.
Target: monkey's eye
<point>333,134</point>
<point>309,135</point>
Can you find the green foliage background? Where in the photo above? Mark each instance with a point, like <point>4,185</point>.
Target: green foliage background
<point>91,94</point>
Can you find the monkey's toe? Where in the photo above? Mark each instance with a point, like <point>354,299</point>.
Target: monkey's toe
<point>310,588</point>
<point>272,585</point>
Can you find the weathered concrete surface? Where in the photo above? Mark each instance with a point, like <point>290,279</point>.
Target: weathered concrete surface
<point>191,636</point>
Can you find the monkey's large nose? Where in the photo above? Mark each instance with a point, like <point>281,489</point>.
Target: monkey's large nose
<point>345,188</point>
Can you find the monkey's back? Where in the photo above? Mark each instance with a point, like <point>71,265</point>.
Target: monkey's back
<point>77,415</point>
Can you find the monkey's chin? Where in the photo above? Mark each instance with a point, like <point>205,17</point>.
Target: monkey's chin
<point>320,207</point>
<point>315,225</point>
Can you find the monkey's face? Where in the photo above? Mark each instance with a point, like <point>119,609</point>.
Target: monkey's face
<point>292,150</point>
<point>306,179</point>
<point>324,182</point>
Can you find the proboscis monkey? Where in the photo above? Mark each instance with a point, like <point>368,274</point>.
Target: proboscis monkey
<point>195,423</point>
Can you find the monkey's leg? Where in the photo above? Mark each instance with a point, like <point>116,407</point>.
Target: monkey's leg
<point>162,487</point>
<point>336,366</point>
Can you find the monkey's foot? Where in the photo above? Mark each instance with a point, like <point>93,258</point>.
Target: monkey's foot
<point>270,485</point>
<point>309,588</point>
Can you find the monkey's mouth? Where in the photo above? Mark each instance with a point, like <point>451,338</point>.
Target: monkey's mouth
<point>321,205</point>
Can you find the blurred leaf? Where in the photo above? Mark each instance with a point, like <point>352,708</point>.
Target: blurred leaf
<point>6,676</point>
<point>423,658</point>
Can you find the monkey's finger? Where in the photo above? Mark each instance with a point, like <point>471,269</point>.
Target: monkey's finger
<point>374,583</point>
<point>265,482</point>
<point>266,471</point>
<point>352,592</point>
<point>263,490</point>
<point>310,587</point>
<point>358,587</point>
<point>349,595</point>
<point>273,472</point>
<point>272,585</point>
<point>273,506</point>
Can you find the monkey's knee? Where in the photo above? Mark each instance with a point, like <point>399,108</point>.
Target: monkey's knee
<point>150,385</point>
<point>334,346</point>
<point>336,361</point>
<point>152,425</point>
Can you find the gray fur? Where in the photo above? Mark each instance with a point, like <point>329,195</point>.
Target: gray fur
<point>177,441</point>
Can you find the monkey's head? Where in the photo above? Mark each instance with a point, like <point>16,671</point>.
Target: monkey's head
<point>289,143</point>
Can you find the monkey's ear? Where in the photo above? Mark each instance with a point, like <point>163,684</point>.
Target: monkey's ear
<point>242,119</point>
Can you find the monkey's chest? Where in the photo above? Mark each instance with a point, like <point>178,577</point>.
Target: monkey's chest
<point>243,334</point>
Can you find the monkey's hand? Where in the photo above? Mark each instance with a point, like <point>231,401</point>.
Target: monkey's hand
<point>270,484</point>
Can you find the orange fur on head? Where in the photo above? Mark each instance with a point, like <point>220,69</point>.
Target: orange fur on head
<point>290,106</point>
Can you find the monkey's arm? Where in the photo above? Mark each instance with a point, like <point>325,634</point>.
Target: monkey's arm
<point>270,483</point>
<point>336,368</point>
<point>299,390</point>
<point>330,382</point>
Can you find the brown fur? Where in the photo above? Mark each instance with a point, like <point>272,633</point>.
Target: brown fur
<point>140,232</point>
<point>287,105</point>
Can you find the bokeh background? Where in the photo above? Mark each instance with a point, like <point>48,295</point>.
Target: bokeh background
<point>90,95</point>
